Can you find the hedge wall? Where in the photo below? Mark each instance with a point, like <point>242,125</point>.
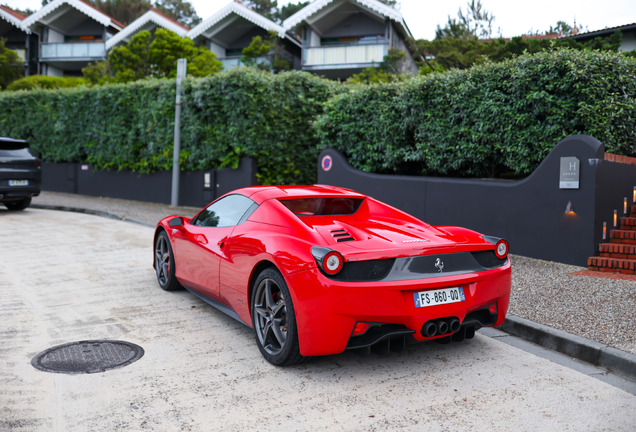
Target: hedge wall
<point>493,120</point>
<point>224,117</point>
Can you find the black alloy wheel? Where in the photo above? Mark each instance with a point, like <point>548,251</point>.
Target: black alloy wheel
<point>164,263</point>
<point>274,320</point>
<point>18,205</point>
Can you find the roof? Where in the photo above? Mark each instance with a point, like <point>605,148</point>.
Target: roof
<point>240,10</point>
<point>185,27</point>
<point>81,6</point>
<point>604,32</point>
<point>153,16</point>
<point>13,17</point>
<point>315,6</point>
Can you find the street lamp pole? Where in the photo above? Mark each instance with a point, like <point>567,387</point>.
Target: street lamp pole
<point>176,170</point>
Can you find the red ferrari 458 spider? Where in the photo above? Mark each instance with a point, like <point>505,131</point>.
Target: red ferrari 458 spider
<point>317,270</point>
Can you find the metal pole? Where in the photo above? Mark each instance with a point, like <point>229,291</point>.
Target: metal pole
<point>176,171</point>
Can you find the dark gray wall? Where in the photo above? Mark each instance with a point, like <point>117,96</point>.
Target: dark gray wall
<point>155,187</point>
<point>529,213</point>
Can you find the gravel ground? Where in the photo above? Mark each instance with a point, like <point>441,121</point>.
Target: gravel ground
<point>599,309</point>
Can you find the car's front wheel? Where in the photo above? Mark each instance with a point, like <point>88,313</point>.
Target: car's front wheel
<point>274,320</point>
<point>164,263</point>
<point>18,205</point>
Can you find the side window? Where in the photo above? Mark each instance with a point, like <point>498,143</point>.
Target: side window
<point>225,212</point>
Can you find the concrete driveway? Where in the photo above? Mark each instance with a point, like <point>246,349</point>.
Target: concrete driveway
<point>68,277</point>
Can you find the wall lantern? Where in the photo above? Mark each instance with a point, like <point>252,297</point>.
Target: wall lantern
<point>625,205</point>
<point>634,194</point>
<point>615,219</point>
<point>604,230</point>
<point>568,208</point>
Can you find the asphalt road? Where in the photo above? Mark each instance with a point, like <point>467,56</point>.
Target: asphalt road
<point>68,277</point>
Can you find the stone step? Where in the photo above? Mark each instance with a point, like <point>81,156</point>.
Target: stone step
<point>612,265</point>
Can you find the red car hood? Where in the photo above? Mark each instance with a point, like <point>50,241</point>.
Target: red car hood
<point>376,239</point>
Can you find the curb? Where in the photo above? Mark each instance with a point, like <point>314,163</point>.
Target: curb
<point>620,362</point>
<point>90,212</point>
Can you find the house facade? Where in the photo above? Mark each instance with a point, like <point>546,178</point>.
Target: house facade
<point>19,38</point>
<point>71,34</point>
<point>150,21</point>
<point>341,37</point>
<point>230,30</point>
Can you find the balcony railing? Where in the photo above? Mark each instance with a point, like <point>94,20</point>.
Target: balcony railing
<point>73,50</point>
<point>348,54</point>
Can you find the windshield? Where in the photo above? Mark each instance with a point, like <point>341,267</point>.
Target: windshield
<point>322,206</point>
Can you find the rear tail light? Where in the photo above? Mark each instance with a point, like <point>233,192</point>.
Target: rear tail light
<point>501,249</point>
<point>493,308</point>
<point>360,328</point>
<point>329,261</point>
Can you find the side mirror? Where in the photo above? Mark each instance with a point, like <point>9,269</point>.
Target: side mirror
<point>175,222</point>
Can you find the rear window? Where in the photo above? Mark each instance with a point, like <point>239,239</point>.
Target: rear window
<point>15,149</point>
<point>322,206</point>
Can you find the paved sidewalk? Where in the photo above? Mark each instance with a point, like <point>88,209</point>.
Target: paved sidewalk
<point>543,292</point>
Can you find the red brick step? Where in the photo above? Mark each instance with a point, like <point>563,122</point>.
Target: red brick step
<point>616,250</point>
<point>623,236</point>
<point>628,223</point>
<point>611,265</point>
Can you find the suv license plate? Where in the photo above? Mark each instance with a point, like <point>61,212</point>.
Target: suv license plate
<point>438,297</point>
<point>18,182</point>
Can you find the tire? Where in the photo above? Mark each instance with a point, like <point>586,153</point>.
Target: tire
<point>18,205</point>
<point>164,263</point>
<point>274,320</point>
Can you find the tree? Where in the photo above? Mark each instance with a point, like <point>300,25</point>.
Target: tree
<point>129,62</point>
<point>288,10</point>
<point>25,12</point>
<point>271,48</point>
<point>393,3</point>
<point>181,10</point>
<point>475,22</point>
<point>124,11</point>
<point>267,8</point>
<point>391,69</point>
<point>144,57</point>
<point>10,65</point>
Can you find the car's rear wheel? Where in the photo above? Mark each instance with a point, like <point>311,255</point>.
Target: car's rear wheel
<point>274,320</point>
<point>18,205</point>
<point>164,263</point>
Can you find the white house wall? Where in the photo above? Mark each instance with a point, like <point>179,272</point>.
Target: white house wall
<point>314,39</point>
<point>216,49</point>
<point>629,42</point>
<point>55,37</point>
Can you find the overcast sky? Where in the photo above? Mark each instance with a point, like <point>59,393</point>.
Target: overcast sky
<point>513,17</point>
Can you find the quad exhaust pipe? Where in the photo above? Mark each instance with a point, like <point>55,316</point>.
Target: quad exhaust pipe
<point>440,327</point>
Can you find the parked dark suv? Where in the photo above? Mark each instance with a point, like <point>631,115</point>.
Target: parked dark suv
<point>20,174</point>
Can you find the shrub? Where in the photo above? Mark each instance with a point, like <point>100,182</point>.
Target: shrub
<point>45,82</point>
<point>493,120</point>
<point>224,117</point>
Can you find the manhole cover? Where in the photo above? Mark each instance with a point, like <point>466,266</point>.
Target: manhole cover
<point>87,356</point>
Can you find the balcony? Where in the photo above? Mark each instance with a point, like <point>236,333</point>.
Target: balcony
<point>344,57</point>
<point>230,63</point>
<point>73,51</point>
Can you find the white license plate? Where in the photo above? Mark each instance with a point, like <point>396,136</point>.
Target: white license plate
<point>438,297</point>
<point>18,182</point>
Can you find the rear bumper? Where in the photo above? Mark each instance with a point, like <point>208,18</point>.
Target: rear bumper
<point>327,310</point>
<point>16,193</point>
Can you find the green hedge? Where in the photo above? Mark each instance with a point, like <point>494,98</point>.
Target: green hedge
<point>493,120</point>
<point>225,117</point>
